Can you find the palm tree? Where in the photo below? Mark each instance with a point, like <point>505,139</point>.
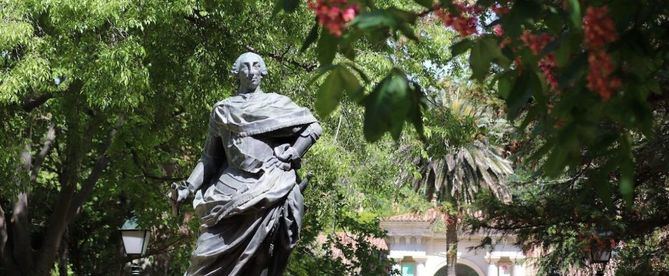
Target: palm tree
<point>459,161</point>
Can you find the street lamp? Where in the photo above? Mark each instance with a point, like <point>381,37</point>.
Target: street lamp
<point>600,250</point>
<point>135,242</point>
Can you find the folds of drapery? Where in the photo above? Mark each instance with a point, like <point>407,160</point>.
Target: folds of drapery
<point>249,226</point>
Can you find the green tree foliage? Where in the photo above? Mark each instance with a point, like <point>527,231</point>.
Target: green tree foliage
<point>572,104</point>
<point>584,82</point>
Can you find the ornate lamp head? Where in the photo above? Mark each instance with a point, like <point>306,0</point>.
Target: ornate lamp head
<point>249,68</point>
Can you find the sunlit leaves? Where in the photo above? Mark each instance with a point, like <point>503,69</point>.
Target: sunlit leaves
<point>30,72</point>
<point>13,33</point>
<point>117,77</point>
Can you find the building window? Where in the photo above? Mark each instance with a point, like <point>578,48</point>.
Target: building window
<point>408,266</point>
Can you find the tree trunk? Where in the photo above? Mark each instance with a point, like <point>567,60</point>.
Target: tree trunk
<point>62,262</point>
<point>451,243</point>
<point>3,233</point>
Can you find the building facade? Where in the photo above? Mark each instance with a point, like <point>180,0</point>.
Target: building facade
<point>418,245</point>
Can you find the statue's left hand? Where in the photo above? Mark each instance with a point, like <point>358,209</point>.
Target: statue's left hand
<point>284,158</point>
<point>274,162</point>
<point>288,154</point>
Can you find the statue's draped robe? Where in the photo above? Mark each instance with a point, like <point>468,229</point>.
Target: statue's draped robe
<point>251,215</point>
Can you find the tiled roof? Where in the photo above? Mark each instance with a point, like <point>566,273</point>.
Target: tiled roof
<point>349,240</point>
<point>430,215</point>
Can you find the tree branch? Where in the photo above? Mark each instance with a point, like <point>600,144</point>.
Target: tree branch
<point>145,173</point>
<point>28,104</point>
<point>88,184</point>
<point>281,58</point>
<point>201,21</point>
<point>46,148</point>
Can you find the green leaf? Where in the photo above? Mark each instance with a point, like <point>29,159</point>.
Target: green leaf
<point>374,19</point>
<point>521,92</point>
<point>351,83</point>
<point>387,107</point>
<point>563,52</point>
<point>290,5</point>
<point>407,31</point>
<point>479,61</point>
<point>425,3</point>
<point>461,47</point>
<point>347,50</point>
<point>355,67</point>
<point>326,48</point>
<point>490,45</point>
<point>403,16</point>
<point>504,84</point>
<point>332,90</point>
<point>320,71</point>
<point>575,13</point>
<point>347,42</point>
<point>311,37</point>
<point>329,94</point>
<point>483,52</point>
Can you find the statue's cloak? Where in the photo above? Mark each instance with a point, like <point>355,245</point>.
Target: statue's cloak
<point>251,215</point>
<point>257,113</point>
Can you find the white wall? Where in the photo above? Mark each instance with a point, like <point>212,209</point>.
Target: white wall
<point>429,252</point>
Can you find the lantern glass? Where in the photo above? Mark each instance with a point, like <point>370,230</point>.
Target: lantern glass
<point>135,239</point>
<point>135,242</point>
<point>601,254</point>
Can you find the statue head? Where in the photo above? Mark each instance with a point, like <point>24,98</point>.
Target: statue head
<point>249,68</point>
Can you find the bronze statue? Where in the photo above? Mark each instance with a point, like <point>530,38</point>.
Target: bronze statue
<point>245,186</point>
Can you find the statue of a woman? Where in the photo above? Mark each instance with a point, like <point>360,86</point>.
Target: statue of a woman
<point>245,185</point>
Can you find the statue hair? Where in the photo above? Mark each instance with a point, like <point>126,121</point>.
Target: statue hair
<point>235,67</point>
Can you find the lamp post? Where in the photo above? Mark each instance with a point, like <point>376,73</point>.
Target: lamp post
<point>600,251</point>
<point>135,242</point>
<point>554,272</point>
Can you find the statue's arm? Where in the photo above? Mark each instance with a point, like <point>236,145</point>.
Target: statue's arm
<point>307,136</point>
<point>213,157</point>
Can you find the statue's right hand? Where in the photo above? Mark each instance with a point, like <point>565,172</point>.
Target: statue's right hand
<point>179,192</point>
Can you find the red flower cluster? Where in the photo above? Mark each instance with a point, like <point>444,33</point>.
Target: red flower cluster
<point>499,9</point>
<point>465,22</point>
<point>333,14</point>
<point>498,30</point>
<point>599,27</point>
<point>599,31</point>
<point>547,66</point>
<point>599,76</point>
<point>536,43</point>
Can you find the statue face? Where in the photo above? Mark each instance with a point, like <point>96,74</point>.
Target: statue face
<point>249,73</point>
